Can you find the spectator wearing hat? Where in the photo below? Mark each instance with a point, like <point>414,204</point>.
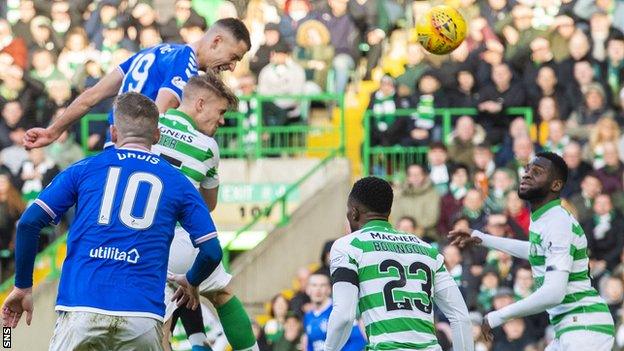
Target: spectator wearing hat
<point>43,35</point>
<point>313,51</point>
<point>262,57</point>
<point>344,38</point>
<point>495,98</point>
<point>13,50</point>
<point>283,76</point>
<point>418,197</point>
<point>296,12</point>
<point>593,108</point>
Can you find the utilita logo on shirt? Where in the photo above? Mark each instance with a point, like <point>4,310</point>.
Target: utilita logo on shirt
<point>113,253</point>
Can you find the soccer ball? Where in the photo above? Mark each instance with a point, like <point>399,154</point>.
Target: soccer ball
<point>441,29</point>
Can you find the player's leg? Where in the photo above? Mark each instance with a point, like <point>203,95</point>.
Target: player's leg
<point>79,331</point>
<point>232,315</point>
<point>135,333</point>
<point>193,323</point>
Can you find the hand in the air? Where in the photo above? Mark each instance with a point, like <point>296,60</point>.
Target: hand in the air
<point>186,294</point>
<point>18,302</point>
<point>462,238</point>
<point>35,138</point>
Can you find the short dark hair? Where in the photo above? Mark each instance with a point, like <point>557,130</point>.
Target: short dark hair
<point>559,166</point>
<point>135,115</point>
<point>373,193</point>
<point>438,145</point>
<point>237,28</point>
<point>212,82</point>
<point>418,165</point>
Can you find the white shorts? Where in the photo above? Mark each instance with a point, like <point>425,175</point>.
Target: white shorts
<point>94,331</point>
<point>181,257</point>
<point>582,340</point>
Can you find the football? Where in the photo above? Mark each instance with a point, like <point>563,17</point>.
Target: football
<point>441,29</point>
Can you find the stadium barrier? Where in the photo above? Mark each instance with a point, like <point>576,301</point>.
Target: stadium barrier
<point>384,160</point>
<point>281,202</point>
<point>272,133</point>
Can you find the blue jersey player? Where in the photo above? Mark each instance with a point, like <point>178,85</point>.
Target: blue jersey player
<point>159,73</point>
<point>128,201</point>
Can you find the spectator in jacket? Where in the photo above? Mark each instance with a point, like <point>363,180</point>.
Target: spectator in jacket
<point>611,174</point>
<point>583,202</point>
<point>418,198</point>
<point>604,233</point>
<point>13,49</point>
<point>577,169</point>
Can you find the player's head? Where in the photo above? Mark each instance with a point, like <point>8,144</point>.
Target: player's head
<point>546,174</point>
<point>224,44</point>
<point>370,198</point>
<point>319,289</point>
<point>206,98</point>
<point>136,120</point>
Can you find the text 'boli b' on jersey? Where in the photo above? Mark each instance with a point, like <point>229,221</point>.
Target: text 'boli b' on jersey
<point>195,154</point>
<point>398,275</point>
<point>557,242</point>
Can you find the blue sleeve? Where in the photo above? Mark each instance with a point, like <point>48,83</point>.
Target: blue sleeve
<point>61,194</point>
<point>206,262</point>
<point>125,66</point>
<point>29,226</point>
<point>194,216</point>
<point>179,70</point>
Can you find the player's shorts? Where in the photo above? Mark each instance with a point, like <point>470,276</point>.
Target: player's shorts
<point>181,257</point>
<point>582,340</point>
<point>95,331</point>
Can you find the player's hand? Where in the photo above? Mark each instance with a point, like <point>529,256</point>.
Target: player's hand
<point>487,330</point>
<point>18,302</point>
<point>186,294</point>
<point>35,138</point>
<point>462,238</point>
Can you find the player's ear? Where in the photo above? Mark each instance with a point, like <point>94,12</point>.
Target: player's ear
<point>113,133</point>
<point>156,136</point>
<point>215,41</point>
<point>557,185</point>
<point>199,104</point>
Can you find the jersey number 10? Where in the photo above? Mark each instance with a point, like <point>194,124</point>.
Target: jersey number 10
<point>129,199</point>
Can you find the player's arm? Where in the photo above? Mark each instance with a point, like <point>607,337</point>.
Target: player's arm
<point>210,197</point>
<point>209,186</point>
<point>196,220</point>
<point>183,67</point>
<point>166,100</point>
<point>345,287</point>
<point>558,262</point>
<point>105,88</point>
<point>450,301</point>
<point>516,248</point>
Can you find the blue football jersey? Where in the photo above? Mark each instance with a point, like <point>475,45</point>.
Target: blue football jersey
<point>127,204</point>
<point>315,326</point>
<point>165,66</point>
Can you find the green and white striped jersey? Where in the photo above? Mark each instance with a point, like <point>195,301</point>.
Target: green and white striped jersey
<point>398,275</point>
<point>182,145</point>
<point>557,242</point>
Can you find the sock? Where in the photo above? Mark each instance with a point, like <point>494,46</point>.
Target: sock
<point>236,325</point>
<point>197,339</point>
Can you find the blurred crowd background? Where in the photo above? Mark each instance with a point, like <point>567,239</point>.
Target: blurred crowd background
<point>562,58</point>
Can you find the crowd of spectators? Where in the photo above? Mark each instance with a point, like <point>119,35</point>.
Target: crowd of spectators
<point>564,59</point>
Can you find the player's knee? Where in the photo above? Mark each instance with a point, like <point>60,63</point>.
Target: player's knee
<point>219,297</point>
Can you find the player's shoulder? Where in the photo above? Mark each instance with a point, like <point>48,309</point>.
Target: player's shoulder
<point>555,216</point>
